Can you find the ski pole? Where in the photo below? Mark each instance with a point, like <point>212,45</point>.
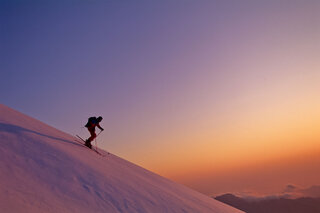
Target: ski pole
<point>95,140</point>
<point>99,133</point>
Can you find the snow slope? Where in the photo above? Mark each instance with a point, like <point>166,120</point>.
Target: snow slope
<point>44,170</point>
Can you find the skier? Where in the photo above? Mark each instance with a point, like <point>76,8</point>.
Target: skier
<point>91,125</point>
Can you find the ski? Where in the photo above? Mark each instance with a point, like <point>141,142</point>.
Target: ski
<point>96,151</point>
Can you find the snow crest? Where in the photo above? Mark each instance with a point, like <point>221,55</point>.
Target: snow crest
<point>43,169</point>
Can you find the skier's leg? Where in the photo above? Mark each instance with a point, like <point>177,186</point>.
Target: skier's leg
<point>93,135</point>
<point>91,138</point>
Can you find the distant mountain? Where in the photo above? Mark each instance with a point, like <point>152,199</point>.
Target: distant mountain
<point>272,205</point>
<point>45,170</point>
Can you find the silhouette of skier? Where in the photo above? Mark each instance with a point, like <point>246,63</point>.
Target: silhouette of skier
<point>93,122</point>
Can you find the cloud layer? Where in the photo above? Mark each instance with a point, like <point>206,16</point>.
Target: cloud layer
<point>289,192</point>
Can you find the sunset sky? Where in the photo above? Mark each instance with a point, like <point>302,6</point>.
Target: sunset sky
<point>222,96</point>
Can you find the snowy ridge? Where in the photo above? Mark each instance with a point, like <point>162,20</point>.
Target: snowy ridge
<point>44,170</point>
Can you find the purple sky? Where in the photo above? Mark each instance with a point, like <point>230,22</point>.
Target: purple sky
<point>63,61</point>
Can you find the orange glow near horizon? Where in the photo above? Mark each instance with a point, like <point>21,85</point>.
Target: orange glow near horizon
<point>279,134</point>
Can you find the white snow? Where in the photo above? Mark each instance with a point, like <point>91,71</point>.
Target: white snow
<point>44,170</point>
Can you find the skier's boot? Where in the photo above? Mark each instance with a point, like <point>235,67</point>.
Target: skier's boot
<point>88,143</point>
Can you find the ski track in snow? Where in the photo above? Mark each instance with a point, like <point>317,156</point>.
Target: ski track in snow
<point>46,170</point>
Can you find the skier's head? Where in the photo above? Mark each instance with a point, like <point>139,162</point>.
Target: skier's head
<point>99,118</point>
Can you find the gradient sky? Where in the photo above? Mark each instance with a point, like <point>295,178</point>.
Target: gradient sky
<point>223,96</point>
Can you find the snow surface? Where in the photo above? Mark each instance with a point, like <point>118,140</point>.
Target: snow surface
<point>44,170</point>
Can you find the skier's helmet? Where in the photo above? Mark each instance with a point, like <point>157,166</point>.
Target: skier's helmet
<point>99,118</point>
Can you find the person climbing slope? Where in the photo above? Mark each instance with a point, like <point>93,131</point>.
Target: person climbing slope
<point>93,122</point>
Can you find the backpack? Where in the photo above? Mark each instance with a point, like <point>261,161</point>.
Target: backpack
<point>90,121</point>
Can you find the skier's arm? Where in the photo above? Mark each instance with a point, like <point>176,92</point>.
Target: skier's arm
<point>100,127</point>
